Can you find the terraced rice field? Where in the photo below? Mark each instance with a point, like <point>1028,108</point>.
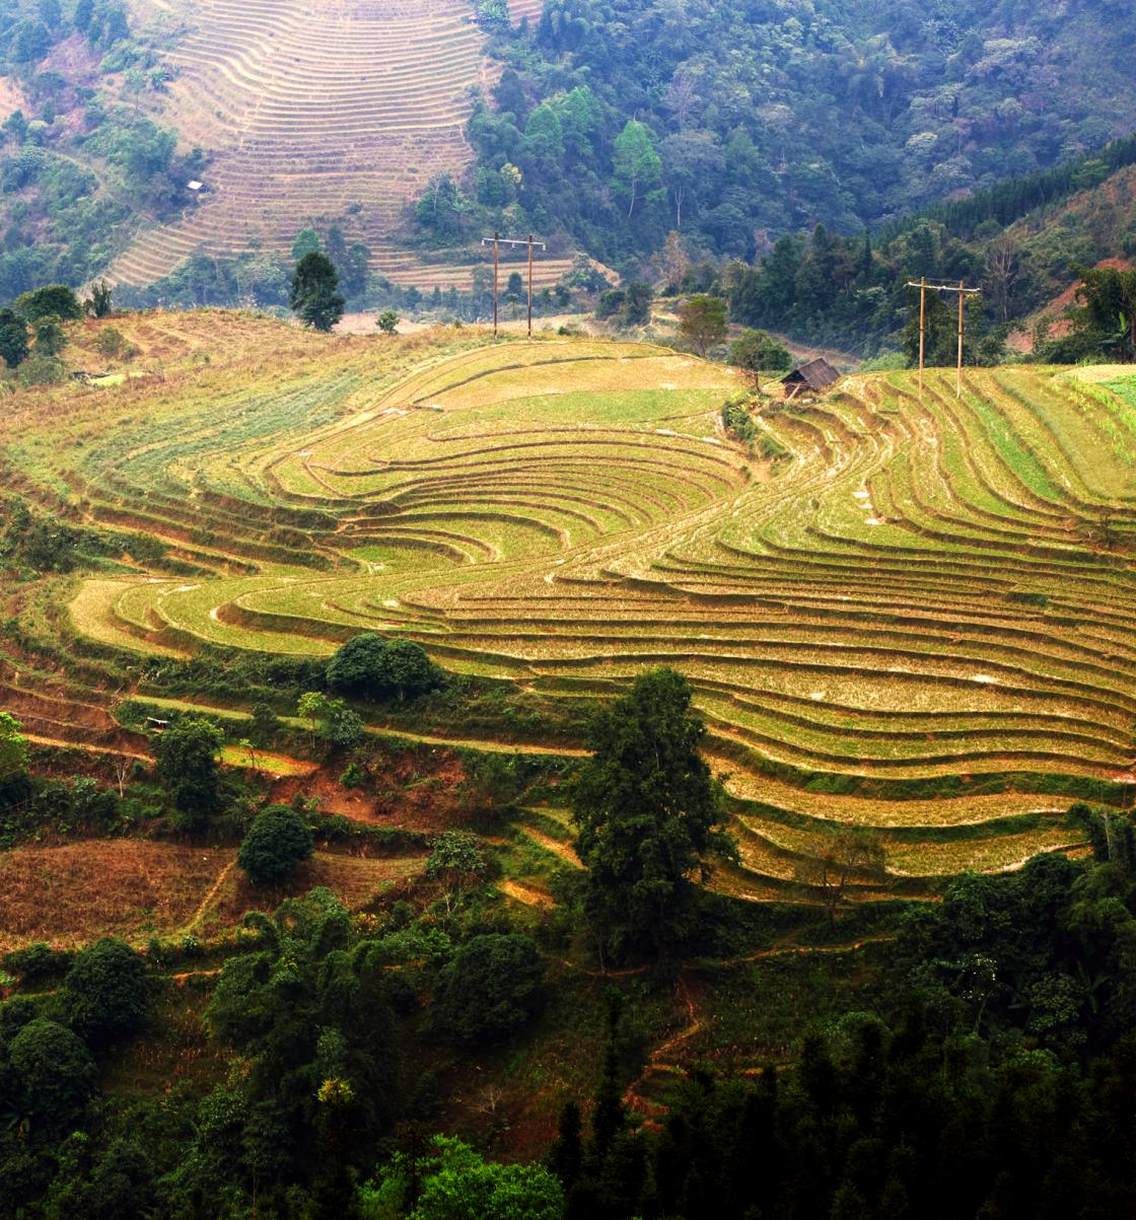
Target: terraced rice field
<point>335,111</point>
<point>920,620</point>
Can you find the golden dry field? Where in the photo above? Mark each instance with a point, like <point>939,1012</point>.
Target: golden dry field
<point>908,612</point>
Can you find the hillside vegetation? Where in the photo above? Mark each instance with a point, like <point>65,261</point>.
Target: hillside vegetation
<point>901,611</point>
<point>735,122</point>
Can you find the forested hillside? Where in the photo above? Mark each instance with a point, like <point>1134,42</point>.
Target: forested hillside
<point>1023,242</point>
<point>616,121</point>
<point>80,162</point>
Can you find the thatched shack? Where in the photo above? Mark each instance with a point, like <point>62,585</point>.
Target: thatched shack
<point>811,378</point>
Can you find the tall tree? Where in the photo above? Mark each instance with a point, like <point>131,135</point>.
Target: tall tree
<point>315,295</point>
<point>636,162</point>
<point>649,814</point>
<point>702,321</point>
<point>187,764</point>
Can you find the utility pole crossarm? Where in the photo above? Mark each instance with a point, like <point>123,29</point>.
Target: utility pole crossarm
<point>515,241</point>
<point>970,292</point>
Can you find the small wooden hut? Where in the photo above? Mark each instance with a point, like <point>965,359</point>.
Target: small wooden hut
<point>812,378</point>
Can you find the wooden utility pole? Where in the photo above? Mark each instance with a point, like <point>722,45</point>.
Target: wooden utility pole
<point>922,328</point>
<point>496,241</point>
<point>530,282</point>
<point>963,292</point>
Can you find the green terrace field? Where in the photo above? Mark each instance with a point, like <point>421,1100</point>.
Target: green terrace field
<point>919,619</point>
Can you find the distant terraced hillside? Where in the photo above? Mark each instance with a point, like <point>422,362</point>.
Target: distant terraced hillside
<point>337,110</point>
<point>919,620</point>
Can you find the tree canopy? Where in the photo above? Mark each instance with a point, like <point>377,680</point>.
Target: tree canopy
<point>276,843</point>
<point>188,765</point>
<point>315,297</point>
<point>492,986</point>
<point>649,815</point>
<point>13,747</point>
<point>377,667</point>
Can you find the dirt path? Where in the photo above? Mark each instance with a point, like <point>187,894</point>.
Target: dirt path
<point>203,907</point>
<point>659,1062</point>
<point>662,1058</point>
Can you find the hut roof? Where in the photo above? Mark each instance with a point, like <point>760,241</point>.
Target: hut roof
<point>817,375</point>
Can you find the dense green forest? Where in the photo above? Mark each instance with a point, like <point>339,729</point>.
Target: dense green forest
<point>79,162</point>
<point>616,121</point>
<point>972,1057</point>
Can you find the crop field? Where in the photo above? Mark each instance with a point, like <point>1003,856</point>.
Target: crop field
<point>332,112</point>
<point>918,620</point>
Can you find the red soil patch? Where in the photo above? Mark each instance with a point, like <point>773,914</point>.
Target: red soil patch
<point>411,790</point>
<point>1022,340</point>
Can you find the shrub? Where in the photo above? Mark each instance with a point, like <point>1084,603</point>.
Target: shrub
<point>493,986</point>
<point>335,722</point>
<point>100,303</point>
<point>106,993</point>
<point>40,370</point>
<point>111,343</point>
<point>37,962</point>
<point>276,843</point>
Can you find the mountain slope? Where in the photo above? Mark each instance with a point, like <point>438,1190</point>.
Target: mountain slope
<point>345,111</point>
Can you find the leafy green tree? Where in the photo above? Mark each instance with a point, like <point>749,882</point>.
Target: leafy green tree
<point>308,1010</point>
<point>13,747</point>
<point>453,1182</point>
<point>375,666</point>
<point>387,322</point>
<point>278,840</point>
<point>757,352</point>
<point>637,165</point>
<point>494,984</point>
<point>702,321</point>
<point>315,295</point>
<point>458,862</point>
<point>307,242</point>
<point>627,306</point>
<point>648,814</point>
<point>50,337</point>
<point>264,725</point>
<point>100,304</point>
<point>106,994</point>
<point>188,764</point>
<point>32,42</point>
<point>1108,313</point>
<point>14,344</point>
<point>335,722</point>
<point>54,1075</point>
<point>53,300</point>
